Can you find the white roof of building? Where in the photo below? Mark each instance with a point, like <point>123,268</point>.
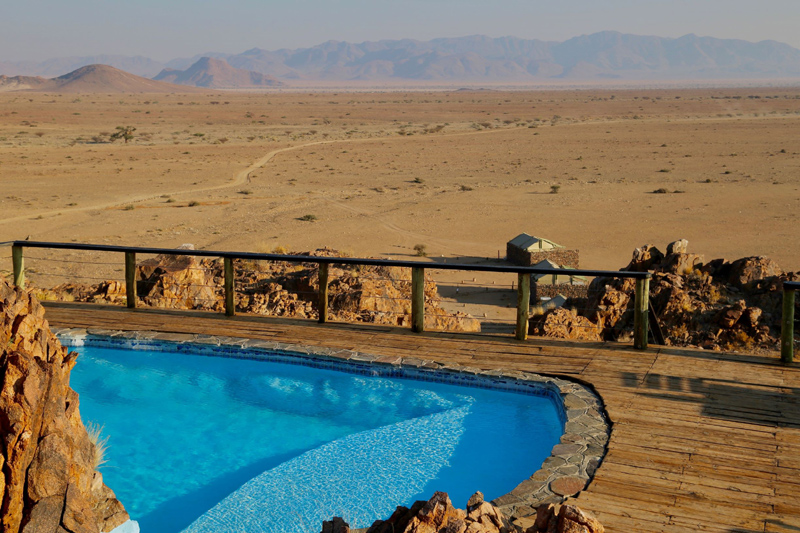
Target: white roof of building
<point>549,264</point>
<point>530,244</point>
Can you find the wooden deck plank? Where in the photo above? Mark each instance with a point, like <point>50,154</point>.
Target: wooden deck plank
<point>701,441</point>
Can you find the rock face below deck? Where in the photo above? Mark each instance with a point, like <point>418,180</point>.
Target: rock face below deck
<point>438,515</point>
<point>49,479</point>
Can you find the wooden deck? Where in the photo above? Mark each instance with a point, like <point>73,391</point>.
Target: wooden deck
<point>701,441</point>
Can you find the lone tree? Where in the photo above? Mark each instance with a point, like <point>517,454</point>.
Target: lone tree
<point>123,132</point>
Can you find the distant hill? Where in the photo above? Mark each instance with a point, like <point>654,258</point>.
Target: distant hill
<point>91,79</point>
<point>600,56</point>
<point>21,83</point>
<point>217,74</point>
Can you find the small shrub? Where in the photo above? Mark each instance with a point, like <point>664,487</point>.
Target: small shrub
<point>554,189</point>
<point>421,249</point>
<point>660,191</point>
<point>246,192</point>
<point>280,249</point>
<point>170,200</point>
<point>129,207</point>
<point>419,180</point>
<point>308,218</point>
<point>194,203</point>
<point>465,188</point>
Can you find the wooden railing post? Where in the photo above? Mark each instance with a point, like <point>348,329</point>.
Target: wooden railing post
<point>230,303</point>
<point>523,305</point>
<point>323,292</point>
<point>130,279</point>
<point>19,266</point>
<point>787,325</point>
<point>417,299</point>
<point>640,318</point>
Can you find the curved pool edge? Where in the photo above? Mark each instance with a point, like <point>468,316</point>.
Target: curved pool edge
<point>578,455</point>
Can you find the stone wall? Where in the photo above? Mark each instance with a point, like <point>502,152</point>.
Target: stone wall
<point>560,256</point>
<point>541,290</point>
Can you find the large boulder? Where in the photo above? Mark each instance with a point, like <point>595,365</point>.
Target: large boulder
<point>744,272</point>
<point>644,258</point>
<point>681,246</point>
<point>49,479</point>
<point>565,324</point>
<point>568,519</point>
<point>681,263</point>
<point>179,282</point>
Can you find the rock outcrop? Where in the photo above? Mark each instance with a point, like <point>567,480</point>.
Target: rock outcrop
<point>438,515</point>
<point>49,479</point>
<point>714,305</point>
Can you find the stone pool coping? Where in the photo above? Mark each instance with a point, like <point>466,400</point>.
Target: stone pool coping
<point>570,466</point>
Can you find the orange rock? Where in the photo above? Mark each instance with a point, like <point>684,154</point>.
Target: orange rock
<point>49,480</point>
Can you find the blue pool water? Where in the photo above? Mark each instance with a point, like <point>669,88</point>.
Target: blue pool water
<point>204,444</point>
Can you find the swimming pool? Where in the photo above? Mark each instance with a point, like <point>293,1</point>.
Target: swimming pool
<point>273,441</point>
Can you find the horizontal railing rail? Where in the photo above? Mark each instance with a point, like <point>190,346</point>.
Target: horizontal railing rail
<point>787,324</point>
<point>255,256</point>
<point>417,277</point>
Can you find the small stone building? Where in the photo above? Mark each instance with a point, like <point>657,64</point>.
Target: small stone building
<point>525,250</point>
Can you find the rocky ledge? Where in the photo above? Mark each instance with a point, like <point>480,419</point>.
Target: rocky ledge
<point>49,479</point>
<point>438,515</point>
<point>715,305</point>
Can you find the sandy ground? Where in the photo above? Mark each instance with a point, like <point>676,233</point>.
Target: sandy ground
<point>461,172</point>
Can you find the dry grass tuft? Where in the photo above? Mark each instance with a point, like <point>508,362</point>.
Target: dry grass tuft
<point>99,443</point>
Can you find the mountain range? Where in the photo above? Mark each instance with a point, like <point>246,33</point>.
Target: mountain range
<point>600,56</point>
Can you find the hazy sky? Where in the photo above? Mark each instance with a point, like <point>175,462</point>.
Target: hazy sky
<point>166,29</point>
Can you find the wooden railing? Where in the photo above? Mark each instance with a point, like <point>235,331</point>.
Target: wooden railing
<point>787,324</point>
<point>417,278</point>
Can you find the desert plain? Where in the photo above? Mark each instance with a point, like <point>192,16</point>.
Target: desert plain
<point>374,174</point>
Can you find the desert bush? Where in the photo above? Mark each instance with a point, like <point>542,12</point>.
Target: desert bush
<point>308,218</point>
<point>194,203</point>
<point>123,132</point>
<point>99,443</point>
<point>554,189</point>
<point>421,249</point>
